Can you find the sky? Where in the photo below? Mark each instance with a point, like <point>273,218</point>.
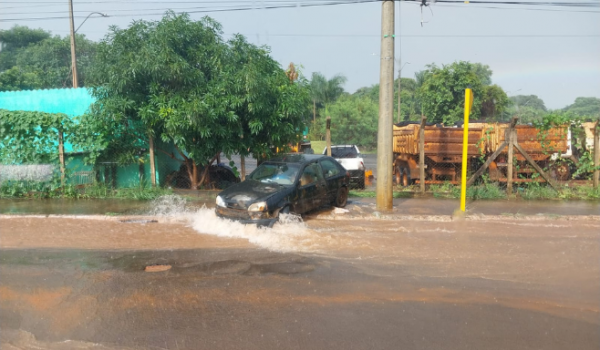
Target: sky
<point>552,52</point>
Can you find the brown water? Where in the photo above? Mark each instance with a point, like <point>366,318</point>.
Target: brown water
<point>355,279</point>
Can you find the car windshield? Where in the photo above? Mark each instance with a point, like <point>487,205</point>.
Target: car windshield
<point>280,173</point>
<point>344,152</point>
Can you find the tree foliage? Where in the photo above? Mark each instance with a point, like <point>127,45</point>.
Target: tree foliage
<point>410,104</point>
<point>15,79</point>
<point>325,91</point>
<point>15,39</point>
<point>529,108</point>
<point>32,58</point>
<point>353,121</point>
<point>585,107</point>
<point>528,101</point>
<point>442,92</point>
<point>189,87</point>
<point>494,103</point>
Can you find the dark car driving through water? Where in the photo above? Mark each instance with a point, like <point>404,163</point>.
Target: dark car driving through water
<point>292,183</point>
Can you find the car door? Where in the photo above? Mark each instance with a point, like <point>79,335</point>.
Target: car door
<point>312,188</point>
<point>334,177</point>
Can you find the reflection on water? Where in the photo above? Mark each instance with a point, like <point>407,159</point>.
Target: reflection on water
<point>165,206</point>
<point>72,206</point>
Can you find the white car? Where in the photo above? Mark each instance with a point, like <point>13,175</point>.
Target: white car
<point>349,157</point>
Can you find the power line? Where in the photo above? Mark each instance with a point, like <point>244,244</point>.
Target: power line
<point>519,9</point>
<point>279,4</point>
<point>526,3</point>
<point>270,7</point>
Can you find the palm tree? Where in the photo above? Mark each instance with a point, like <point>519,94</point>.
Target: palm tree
<point>323,91</point>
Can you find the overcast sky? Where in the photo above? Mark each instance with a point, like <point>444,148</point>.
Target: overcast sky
<point>552,52</point>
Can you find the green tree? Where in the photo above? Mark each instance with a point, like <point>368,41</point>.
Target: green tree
<point>528,100</point>
<point>484,73</point>
<point>529,108</point>
<point>371,92</point>
<point>15,39</point>
<point>442,92</point>
<point>585,107</point>
<point>323,91</point>
<point>410,104</point>
<point>188,87</point>
<point>494,103</point>
<point>34,59</point>
<point>50,59</point>
<point>15,79</point>
<point>353,121</point>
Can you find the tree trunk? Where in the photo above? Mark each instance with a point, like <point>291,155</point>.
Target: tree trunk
<point>243,168</point>
<point>314,110</point>
<point>195,183</point>
<point>190,167</point>
<point>205,175</point>
<point>152,164</point>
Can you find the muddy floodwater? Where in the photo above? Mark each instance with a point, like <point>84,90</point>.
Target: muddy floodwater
<point>180,278</point>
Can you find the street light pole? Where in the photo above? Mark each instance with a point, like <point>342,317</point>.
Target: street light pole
<point>73,31</point>
<point>73,55</point>
<point>399,79</point>
<point>88,16</point>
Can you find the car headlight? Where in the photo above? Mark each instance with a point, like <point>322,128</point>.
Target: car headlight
<point>258,206</point>
<point>221,202</point>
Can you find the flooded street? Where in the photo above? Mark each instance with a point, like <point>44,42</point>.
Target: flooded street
<point>332,280</point>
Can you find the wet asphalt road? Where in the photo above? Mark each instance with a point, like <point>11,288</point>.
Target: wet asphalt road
<point>335,282</point>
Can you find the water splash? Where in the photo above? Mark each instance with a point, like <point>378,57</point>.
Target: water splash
<point>169,205</point>
<point>289,234</point>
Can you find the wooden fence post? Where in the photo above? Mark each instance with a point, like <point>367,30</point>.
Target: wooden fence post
<point>152,164</point>
<point>422,154</point>
<point>61,157</point>
<point>493,156</point>
<point>510,135</point>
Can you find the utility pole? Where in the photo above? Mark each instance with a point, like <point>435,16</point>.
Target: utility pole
<point>73,55</point>
<point>386,109</point>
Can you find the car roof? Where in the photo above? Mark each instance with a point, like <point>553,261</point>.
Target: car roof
<point>296,158</point>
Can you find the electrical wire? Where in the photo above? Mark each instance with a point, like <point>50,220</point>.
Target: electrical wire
<point>281,4</point>
<point>208,10</point>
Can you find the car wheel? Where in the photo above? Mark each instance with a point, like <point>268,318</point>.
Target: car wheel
<point>341,198</point>
<point>398,174</point>
<point>284,210</point>
<point>405,177</point>
<point>361,183</point>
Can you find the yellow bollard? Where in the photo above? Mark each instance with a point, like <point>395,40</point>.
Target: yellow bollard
<point>463,178</point>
